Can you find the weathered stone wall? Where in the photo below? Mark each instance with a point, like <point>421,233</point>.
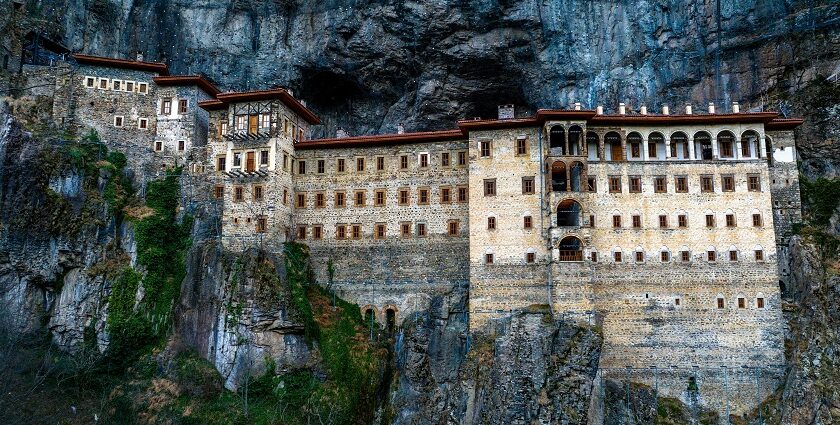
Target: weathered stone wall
<point>189,127</point>
<point>396,270</point>
<point>787,205</point>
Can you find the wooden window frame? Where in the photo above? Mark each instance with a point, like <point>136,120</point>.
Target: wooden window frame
<point>756,220</point>
<point>453,228</point>
<point>445,195</point>
<point>681,184</point>
<point>301,232</point>
<point>380,197</point>
<point>707,183</point>
<point>404,162</point>
<point>320,200</point>
<point>636,221</point>
<point>300,200</point>
<point>614,184</point>
<point>380,231</point>
<point>301,169</point>
<point>219,191</point>
<point>489,258</point>
<point>356,231</point>
<point>258,192</point>
<point>710,221</point>
<point>317,232</point>
<point>340,165</point>
<point>182,106</point>
<point>121,120</point>
<point>527,222</point>
<point>403,196</point>
<point>660,184</point>
<point>340,199</point>
<point>685,256</point>
<point>616,221</point>
<point>359,201</point>
<point>341,231</point>
<point>238,194</point>
<point>491,223</point>
<point>730,221</point>
<point>445,159</point>
<point>665,256</point>
<point>422,230</point>
<point>727,183</point>
<point>261,225</point>
<point>462,158</point>
<point>463,190</point>
<point>420,195</point>
<point>320,166</point>
<point>682,221</point>
<point>423,160</point>
<point>591,184</point>
<point>733,256</point>
<point>530,257</point>
<point>618,257</point>
<point>405,229</point>
<point>360,164</point>
<point>380,163</point>
<point>489,187</point>
<point>634,184</point>
<point>663,221</point>
<point>521,145</point>
<point>528,185</point>
<point>753,182</point>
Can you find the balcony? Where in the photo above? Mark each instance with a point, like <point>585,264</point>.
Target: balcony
<point>243,137</point>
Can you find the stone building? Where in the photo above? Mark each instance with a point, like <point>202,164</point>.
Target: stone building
<point>666,230</point>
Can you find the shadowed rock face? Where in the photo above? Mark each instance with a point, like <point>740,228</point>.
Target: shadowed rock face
<point>367,66</point>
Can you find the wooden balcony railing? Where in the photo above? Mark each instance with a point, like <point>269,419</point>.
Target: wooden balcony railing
<point>570,255</point>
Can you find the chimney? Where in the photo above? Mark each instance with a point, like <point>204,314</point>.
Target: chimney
<point>139,56</point>
<point>643,110</point>
<point>665,110</point>
<point>340,133</point>
<point>736,108</point>
<point>711,107</point>
<point>506,112</point>
<point>400,128</point>
<point>622,109</point>
<point>599,110</point>
<point>303,102</point>
<point>577,106</point>
<point>688,109</point>
<point>291,93</point>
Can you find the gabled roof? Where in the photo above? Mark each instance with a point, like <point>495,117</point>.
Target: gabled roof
<point>188,80</point>
<point>157,67</point>
<point>382,139</point>
<point>783,124</point>
<point>224,99</point>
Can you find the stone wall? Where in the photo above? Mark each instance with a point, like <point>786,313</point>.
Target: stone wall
<point>179,133</point>
<point>787,205</point>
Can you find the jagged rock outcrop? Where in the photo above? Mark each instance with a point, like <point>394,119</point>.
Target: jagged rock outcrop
<point>532,369</point>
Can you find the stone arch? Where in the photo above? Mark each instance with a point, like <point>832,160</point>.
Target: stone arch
<point>593,146</point>
<point>703,146</point>
<point>613,151</point>
<point>570,249</point>
<point>559,178</point>
<point>369,314</point>
<point>726,144</point>
<point>390,311</point>
<point>577,175</point>
<point>575,140</point>
<point>750,145</point>
<point>634,146</point>
<point>656,146</point>
<point>679,145</point>
<point>557,139</point>
<point>568,213</point>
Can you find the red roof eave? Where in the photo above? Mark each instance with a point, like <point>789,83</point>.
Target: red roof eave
<point>188,80</point>
<point>157,67</point>
<point>382,140</point>
<point>281,94</point>
<point>783,124</point>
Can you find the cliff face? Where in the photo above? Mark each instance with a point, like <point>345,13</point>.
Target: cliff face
<point>366,66</point>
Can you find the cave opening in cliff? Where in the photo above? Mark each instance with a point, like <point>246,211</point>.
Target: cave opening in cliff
<point>328,90</point>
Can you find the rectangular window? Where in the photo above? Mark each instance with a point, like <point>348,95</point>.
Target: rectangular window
<point>182,145</point>
<point>301,232</point>
<point>615,184</point>
<point>182,106</point>
<point>404,162</point>
<point>340,200</point>
<point>445,195</point>
<point>707,184</point>
<point>665,256</point>
<point>237,159</point>
<point>142,88</point>
<point>424,160</point>
<point>651,149</point>
<point>463,194</point>
<point>756,220</point>
<point>635,184</point>
<point>727,183</point>
<point>663,221</point>
<point>453,228</point>
<point>753,183</point>
<point>711,256</point>
<point>530,257</point>
<point>617,221</point>
<point>490,187</point>
<point>301,167</point>
<point>726,149</point>
<point>593,256</point>
<point>462,158</point>
<point>340,165</point>
<point>265,122</point>
<point>421,230</point>
<point>301,200</point>
<point>617,256</point>
<point>681,184</point>
<point>142,123</point>
<point>264,158</point>
<point>129,86</point>
<point>591,220</point>
<point>103,83</point>
<point>659,185</point>
<point>356,231</point>
<point>759,255</point>
<point>118,121</point>
<point>682,220</point>
<point>485,148</point>
<point>733,255</point>
<point>637,221</point>
<point>285,196</point>
<point>685,256</point>
<point>527,185</point>
<point>238,194</point>
<point>720,303</point>
<point>745,149</point>
<point>360,164</point>
<point>380,163</point>
<point>379,231</point>
<point>527,222</point>
<point>90,82</point>
<point>116,85</point>
<point>320,200</point>
<point>258,193</point>
<point>636,149</point>
<point>710,220</point>
<point>591,184</point>
<point>404,196</point>
<point>262,224</point>
<point>219,191</point>
<point>321,166</point>
<point>640,256</point>
<point>158,146</point>
<point>521,146</point>
<point>340,231</point>
<point>759,302</point>
<point>423,196</point>
<point>491,223</point>
<point>359,197</point>
<point>379,198</point>
<point>730,220</point>
<point>488,258</point>
<point>444,159</point>
<point>166,106</point>
<point>220,163</point>
<point>285,161</point>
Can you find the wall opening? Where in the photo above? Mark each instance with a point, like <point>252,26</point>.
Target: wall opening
<point>558,177</point>
<point>557,140</point>
<point>570,249</point>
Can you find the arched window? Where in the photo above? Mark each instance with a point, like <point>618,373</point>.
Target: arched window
<point>656,145</point>
<point>634,144</point>
<point>370,315</point>
<point>703,146</point>
<point>568,213</point>
<point>575,176</point>
<point>679,145</point>
<point>391,319</point>
<point>592,146</point>
<point>612,147</point>
<point>768,148</point>
<point>726,144</point>
<point>557,140</point>
<point>570,249</point>
<point>558,177</point>
<point>575,136</point>
<point>749,144</point>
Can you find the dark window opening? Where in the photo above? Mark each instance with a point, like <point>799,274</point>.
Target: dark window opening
<point>568,213</point>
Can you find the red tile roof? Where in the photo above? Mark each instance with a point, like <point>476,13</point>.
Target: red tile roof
<point>188,80</point>
<point>157,67</point>
<point>783,124</point>
<point>382,139</point>
<point>223,99</point>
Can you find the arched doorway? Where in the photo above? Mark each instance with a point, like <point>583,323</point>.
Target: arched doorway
<point>575,136</point>
<point>558,177</point>
<point>557,140</point>
<point>390,319</point>
<point>749,144</point>
<point>570,249</point>
<point>612,147</point>
<point>568,213</point>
